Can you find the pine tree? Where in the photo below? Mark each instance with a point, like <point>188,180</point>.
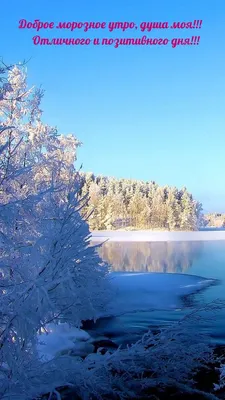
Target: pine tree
<point>188,218</point>
<point>135,208</point>
<point>158,209</point>
<point>173,210</point>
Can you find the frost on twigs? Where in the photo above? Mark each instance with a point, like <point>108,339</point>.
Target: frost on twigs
<point>48,270</point>
<point>169,359</point>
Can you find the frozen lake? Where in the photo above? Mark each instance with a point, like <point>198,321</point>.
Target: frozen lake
<point>158,236</point>
<point>192,258</point>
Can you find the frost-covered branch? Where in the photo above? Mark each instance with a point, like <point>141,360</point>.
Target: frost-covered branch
<point>48,270</point>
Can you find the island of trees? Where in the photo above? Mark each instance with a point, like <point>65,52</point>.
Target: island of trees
<point>132,204</point>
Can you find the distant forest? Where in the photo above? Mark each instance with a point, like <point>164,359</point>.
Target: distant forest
<point>132,204</point>
<point>215,220</point>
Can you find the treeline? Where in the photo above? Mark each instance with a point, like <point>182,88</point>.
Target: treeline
<point>132,204</point>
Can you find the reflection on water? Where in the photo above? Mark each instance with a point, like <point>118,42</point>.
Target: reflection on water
<point>151,256</point>
<point>205,259</point>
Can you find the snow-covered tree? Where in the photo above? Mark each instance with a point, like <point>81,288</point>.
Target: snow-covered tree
<point>142,205</point>
<point>189,213</point>
<point>49,271</point>
<point>173,210</point>
<point>40,144</point>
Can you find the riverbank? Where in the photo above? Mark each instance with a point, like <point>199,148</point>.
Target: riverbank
<point>156,236</point>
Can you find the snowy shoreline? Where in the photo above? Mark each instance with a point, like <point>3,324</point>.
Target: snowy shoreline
<point>156,236</point>
<point>131,293</point>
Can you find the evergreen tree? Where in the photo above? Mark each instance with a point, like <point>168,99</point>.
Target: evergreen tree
<point>173,210</point>
<point>188,217</point>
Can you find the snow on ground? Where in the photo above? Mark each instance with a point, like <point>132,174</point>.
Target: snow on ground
<point>151,291</point>
<point>155,236</point>
<point>62,339</point>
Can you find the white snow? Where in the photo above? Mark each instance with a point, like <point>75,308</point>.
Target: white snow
<point>62,339</point>
<point>221,384</point>
<point>151,291</point>
<point>155,236</point>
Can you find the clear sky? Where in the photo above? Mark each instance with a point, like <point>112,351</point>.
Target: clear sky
<point>150,113</point>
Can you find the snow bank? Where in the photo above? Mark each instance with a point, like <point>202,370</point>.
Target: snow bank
<point>62,339</point>
<point>149,236</point>
<point>151,291</point>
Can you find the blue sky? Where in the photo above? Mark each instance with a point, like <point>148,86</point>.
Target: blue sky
<point>150,113</point>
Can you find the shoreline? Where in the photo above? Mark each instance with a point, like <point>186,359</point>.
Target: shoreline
<point>156,236</point>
